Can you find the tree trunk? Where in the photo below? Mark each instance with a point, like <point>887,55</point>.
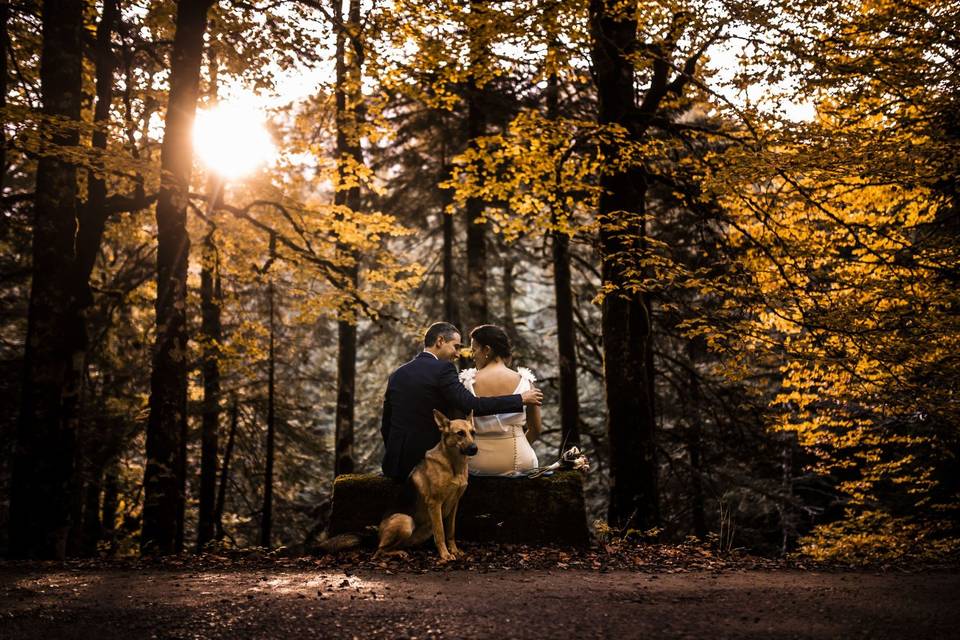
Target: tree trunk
<point>478,310</point>
<point>212,337</point>
<point>168,383</point>
<point>566,342</point>
<point>266,516</point>
<point>563,292</point>
<point>43,466</point>
<point>94,214</point>
<point>92,532</point>
<point>507,287</point>
<point>349,117</point>
<point>93,219</point>
<point>788,526</point>
<point>75,534</point>
<point>694,443</point>
<point>451,301</point>
<point>225,471</point>
<point>111,503</point>
<point>625,320</point>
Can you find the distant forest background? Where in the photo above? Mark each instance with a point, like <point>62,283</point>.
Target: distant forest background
<point>724,235</point>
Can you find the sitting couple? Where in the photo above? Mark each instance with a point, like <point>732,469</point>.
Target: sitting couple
<point>503,402</point>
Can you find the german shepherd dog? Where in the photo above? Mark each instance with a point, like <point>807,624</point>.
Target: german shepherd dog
<point>431,494</point>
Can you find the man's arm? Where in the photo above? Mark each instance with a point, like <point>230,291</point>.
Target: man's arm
<point>458,396</point>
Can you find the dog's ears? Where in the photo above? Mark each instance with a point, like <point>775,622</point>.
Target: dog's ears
<point>470,419</point>
<point>442,421</point>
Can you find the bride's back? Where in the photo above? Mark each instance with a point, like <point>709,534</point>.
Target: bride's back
<point>496,381</point>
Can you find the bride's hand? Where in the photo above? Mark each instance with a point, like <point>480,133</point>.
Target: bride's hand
<point>532,397</point>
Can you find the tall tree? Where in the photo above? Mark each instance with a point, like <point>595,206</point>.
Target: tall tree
<point>349,118</point>
<point>451,299</point>
<point>563,290</point>
<point>211,331</point>
<point>93,216</point>
<point>266,515</point>
<point>626,315</point>
<point>225,470</point>
<point>95,212</point>
<point>168,382</point>
<point>478,308</point>
<point>42,481</point>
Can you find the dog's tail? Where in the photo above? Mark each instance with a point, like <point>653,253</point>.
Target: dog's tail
<point>339,543</point>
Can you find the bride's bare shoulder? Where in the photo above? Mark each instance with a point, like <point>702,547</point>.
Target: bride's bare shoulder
<point>497,380</point>
<point>494,373</point>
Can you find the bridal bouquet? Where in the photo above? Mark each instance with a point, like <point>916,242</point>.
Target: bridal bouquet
<point>572,458</point>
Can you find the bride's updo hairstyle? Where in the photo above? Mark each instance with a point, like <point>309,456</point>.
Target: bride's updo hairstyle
<point>490,335</point>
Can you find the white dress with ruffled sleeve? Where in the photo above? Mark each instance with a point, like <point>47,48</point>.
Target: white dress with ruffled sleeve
<point>503,447</point>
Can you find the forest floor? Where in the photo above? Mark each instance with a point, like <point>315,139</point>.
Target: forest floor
<point>515,592</point>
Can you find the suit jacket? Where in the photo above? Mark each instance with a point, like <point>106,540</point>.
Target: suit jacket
<point>413,392</point>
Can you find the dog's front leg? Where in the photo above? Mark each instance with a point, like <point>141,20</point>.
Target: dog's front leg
<point>436,522</point>
<point>449,526</point>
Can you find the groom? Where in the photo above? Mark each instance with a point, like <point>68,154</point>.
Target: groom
<point>429,382</point>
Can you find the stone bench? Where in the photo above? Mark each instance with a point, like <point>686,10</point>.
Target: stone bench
<point>545,510</point>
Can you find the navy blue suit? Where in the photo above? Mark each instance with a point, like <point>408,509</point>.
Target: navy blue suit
<point>413,392</point>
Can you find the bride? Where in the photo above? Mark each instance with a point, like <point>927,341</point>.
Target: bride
<point>502,439</point>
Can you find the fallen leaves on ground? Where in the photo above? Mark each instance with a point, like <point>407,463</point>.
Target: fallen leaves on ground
<point>615,555</point>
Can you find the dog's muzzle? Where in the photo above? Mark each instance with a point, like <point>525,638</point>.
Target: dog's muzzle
<point>470,451</point>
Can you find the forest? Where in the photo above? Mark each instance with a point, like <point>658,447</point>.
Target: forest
<point>724,235</point>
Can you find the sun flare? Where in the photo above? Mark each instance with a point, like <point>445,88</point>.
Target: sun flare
<point>231,139</point>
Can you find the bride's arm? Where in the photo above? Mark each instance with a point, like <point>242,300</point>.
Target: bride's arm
<point>534,426</point>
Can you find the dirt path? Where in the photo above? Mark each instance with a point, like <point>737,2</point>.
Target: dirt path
<point>102,604</point>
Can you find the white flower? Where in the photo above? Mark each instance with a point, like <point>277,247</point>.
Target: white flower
<point>526,374</point>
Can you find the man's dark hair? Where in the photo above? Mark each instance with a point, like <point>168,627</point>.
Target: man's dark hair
<point>438,329</point>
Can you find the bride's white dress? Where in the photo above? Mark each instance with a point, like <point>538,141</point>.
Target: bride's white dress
<point>503,447</point>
